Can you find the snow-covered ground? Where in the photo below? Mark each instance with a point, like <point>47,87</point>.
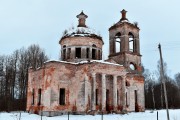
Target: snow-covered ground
<point>148,115</point>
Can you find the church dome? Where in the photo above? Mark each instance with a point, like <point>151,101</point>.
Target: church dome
<point>81,32</point>
<point>81,43</point>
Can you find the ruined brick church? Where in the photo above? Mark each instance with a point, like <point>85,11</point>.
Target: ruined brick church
<point>83,83</point>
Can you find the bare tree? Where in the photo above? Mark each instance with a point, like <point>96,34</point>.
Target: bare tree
<point>14,76</point>
<point>177,79</point>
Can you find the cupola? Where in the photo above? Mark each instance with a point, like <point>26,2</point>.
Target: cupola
<point>81,43</point>
<point>82,19</point>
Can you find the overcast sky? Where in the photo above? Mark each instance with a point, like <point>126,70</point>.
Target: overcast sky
<point>26,22</point>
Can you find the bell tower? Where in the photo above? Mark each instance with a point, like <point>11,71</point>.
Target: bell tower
<point>124,43</point>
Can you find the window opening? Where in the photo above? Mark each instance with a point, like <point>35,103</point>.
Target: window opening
<point>127,83</point>
<point>78,52</point>
<point>118,42</point>
<point>135,92</point>
<point>96,96</point>
<point>87,52</point>
<point>93,45</point>
<point>39,96</point>
<point>132,66</point>
<point>131,42</point>
<point>126,100</point>
<point>117,97</point>
<point>64,53</point>
<point>93,53</point>
<point>99,54</point>
<point>62,96</point>
<point>33,97</point>
<point>136,101</point>
<point>107,100</point>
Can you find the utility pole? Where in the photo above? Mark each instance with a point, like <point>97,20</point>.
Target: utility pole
<point>163,81</point>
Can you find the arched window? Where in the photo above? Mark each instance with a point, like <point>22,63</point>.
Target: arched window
<point>132,66</point>
<point>118,42</point>
<point>64,52</point>
<point>93,45</point>
<point>131,42</point>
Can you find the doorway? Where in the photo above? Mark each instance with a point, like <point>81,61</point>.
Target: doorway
<point>136,103</point>
<point>107,100</point>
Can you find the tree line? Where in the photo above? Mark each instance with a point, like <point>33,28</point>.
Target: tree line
<point>14,76</point>
<point>154,94</point>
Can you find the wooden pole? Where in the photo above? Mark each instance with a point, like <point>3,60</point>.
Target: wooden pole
<point>68,115</point>
<point>102,116</point>
<point>20,116</point>
<point>163,81</point>
<point>41,114</point>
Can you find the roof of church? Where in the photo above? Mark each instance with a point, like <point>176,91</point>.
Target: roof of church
<point>82,14</point>
<point>123,21</point>
<point>85,62</point>
<point>81,32</point>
